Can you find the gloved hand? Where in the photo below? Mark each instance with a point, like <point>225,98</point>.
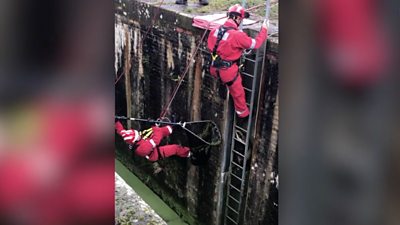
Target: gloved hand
<point>265,24</point>
<point>128,136</point>
<point>127,133</point>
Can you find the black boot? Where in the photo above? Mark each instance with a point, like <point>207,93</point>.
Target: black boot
<point>203,2</point>
<point>181,2</point>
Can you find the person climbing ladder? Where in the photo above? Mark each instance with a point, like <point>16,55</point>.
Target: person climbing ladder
<point>226,44</point>
<point>146,143</point>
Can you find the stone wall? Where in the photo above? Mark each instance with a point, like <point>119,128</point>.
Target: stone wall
<point>151,68</point>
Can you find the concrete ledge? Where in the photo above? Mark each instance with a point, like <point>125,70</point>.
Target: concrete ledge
<point>171,16</point>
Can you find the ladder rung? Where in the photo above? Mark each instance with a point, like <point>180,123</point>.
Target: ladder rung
<point>240,141</point>
<point>233,210</point>
<point>241,167</point>
<point>246,89</point>
<point>248,59</point>
<point>237,177</point>
<point>231,219</point>
<point>238,153</point>
<point>230,185</point>
<point>242,129</point>
<point>247,74</point>
<point>234,200</point>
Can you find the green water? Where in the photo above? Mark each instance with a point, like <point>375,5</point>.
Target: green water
<point>162,209</point>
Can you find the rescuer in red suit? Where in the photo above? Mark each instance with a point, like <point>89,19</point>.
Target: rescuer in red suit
<point>148,146</point>
<point>226,56</point>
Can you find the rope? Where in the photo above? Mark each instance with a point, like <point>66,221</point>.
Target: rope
<point>191,59</point>
<point>182,125</point>
<point>147,120</point>
<point>116,81</point>
<point>184,74</point>
<point>181,80</point>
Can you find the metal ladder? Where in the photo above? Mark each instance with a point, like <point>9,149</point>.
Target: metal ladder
<point>241,140</point>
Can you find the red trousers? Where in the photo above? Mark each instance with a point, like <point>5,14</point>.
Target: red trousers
<point>236,89</point>
<point>167,151</point>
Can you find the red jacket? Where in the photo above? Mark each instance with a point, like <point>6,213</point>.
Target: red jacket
<point>147,146</point>
<point>234,41</point>
<point>144,146</point>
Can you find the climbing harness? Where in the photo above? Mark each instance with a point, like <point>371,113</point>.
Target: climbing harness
<point>165,109</point>
<point>146,133</point>
<point>160,156</point>
<point>205,131</point>
<point>182,77</point>
<point>216,60</point>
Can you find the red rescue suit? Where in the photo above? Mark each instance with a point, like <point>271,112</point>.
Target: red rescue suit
<point>148,147</point>
<point>230,48</point>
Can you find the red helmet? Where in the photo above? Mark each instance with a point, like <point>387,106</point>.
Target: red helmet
<point>237,9</point>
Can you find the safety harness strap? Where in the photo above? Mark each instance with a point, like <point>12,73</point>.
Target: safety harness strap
<point>146,133</point>
<point>221,32</point>
<point>229,83</point>
<point>160,156</point>
<point>233,80</point>
<point>217,62</point>
<point>215,57</point>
